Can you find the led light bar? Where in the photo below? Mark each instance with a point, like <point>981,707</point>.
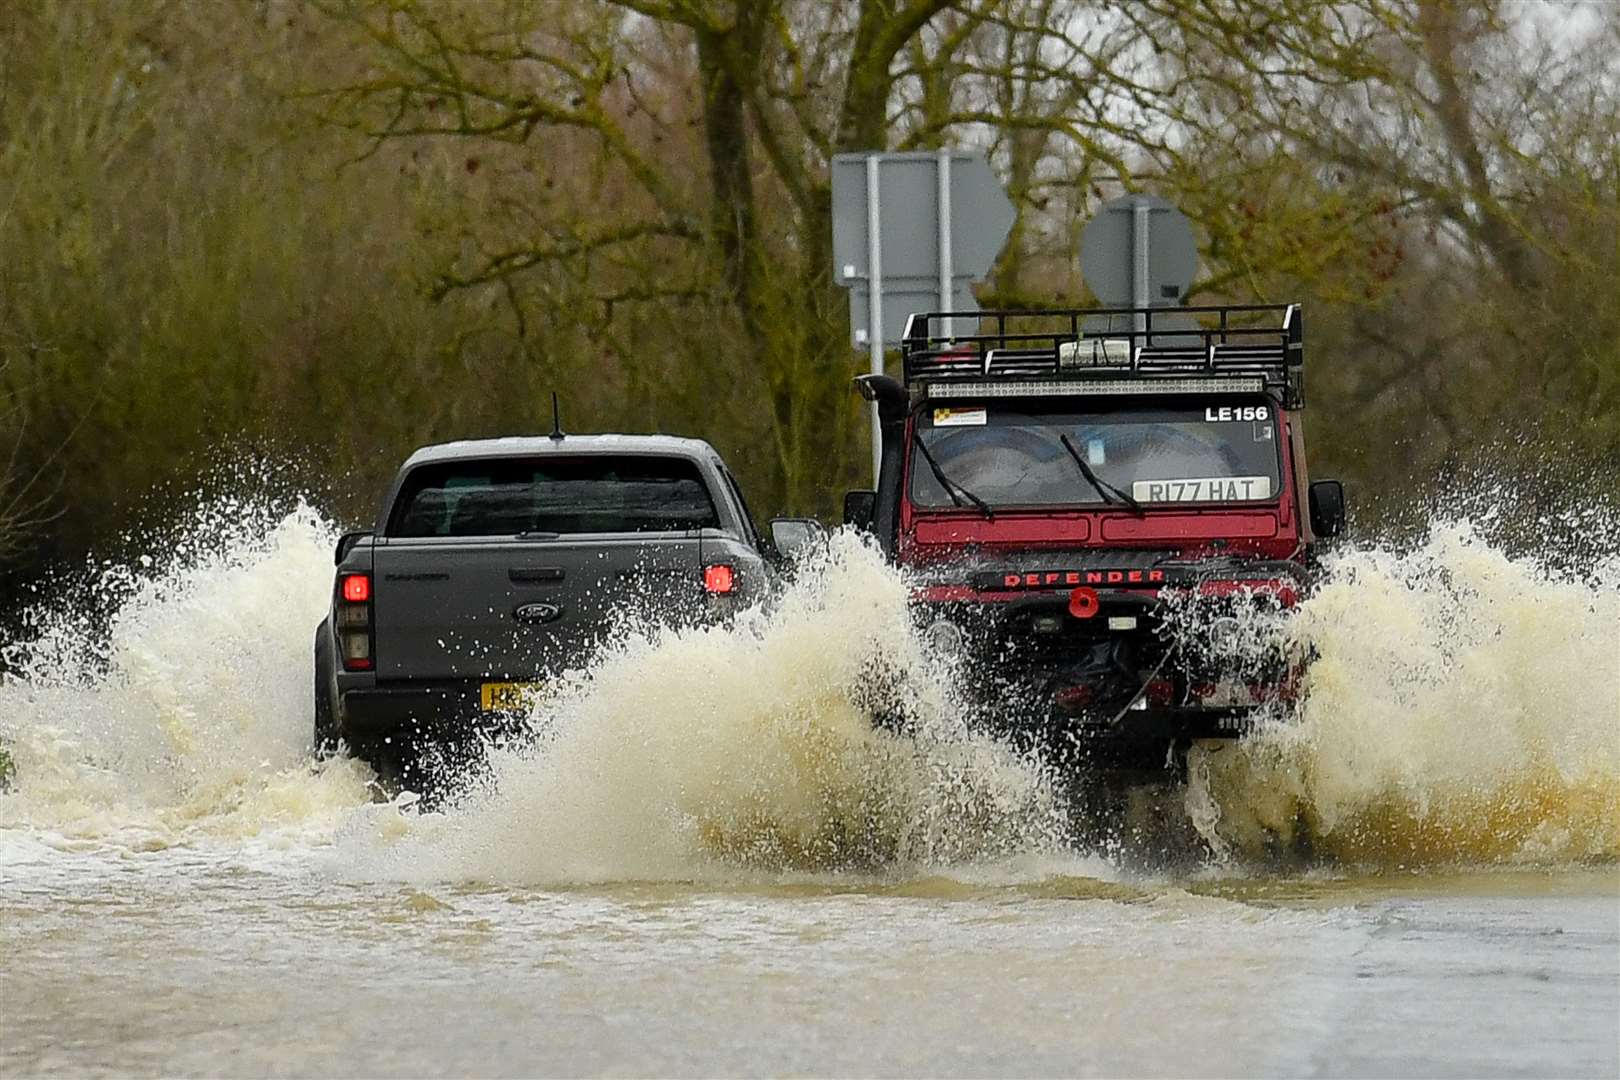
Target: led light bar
<point>1065,387</point>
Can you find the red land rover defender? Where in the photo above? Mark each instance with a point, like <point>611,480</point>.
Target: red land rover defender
<point>1097,508</point>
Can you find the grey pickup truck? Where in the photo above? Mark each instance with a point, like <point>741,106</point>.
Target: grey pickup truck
<point>498,563</point>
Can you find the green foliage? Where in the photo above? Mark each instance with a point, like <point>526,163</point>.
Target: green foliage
<point>327,231</point>
<point>188,265</point>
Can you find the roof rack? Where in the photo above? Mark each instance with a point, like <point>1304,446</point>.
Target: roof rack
<point>1109,350</point>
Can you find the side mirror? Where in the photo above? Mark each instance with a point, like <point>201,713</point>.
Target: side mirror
<point>1327,508</point>
<point>859,506</point>
<point>346,544</point>
<point>792,537</point>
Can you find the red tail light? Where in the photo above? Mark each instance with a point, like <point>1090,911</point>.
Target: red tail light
<point>352,621</point>
<point>719,579</point>
<point>357,588</point>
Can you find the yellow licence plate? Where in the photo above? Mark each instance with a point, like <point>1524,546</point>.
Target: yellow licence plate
<point>505,696</point>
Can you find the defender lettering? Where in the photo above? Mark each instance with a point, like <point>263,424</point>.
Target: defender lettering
<point>1052,579</point>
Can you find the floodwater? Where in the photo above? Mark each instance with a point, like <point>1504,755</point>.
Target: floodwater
<point>710,864</point>
<point>188,963</point>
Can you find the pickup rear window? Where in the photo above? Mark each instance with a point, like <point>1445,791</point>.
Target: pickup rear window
<point>596,494</point>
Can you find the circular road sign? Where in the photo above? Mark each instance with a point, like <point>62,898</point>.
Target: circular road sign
<point>1108,252</point>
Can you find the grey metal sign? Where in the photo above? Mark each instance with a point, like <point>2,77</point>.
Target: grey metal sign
<point>981,215</point>
<point>1138,251</point>
<point>927,258</point>
<point>901,298</point>
<point>911,232</point>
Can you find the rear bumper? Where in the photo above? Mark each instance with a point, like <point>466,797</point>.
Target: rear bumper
<point>1169,725</point>
<point>1148,739</point>
<point>1154,739</point>
<point>447,709</point>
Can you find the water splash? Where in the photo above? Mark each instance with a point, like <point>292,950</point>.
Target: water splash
<point>1464,706</point>
<point>168,703</point>
<point>745,747</point>
<point>183,711</point>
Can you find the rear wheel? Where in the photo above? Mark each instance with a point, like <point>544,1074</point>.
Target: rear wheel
<point>325,736</point>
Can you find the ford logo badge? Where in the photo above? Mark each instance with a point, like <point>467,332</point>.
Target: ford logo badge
<point>534,614</point>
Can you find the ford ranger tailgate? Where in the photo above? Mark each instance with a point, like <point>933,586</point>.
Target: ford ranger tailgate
<point>515,566</point>
<point>464,607</point>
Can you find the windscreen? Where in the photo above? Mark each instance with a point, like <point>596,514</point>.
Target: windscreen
<point>1039,453</point>
<point>596,494</point>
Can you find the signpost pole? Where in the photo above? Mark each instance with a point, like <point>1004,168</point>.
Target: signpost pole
<point>1139,280</point>
<point>874,298</point>
<point>946,271</point>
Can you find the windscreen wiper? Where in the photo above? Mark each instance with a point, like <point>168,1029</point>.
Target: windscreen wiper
<point>1108,491</point>
<point>952,488</point>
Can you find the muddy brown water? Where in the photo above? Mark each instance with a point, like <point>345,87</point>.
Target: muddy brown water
<point>203,963</point>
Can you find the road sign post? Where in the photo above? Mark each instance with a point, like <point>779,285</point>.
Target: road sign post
<point>874,293</point>
<point>1140,224</point>
<point>943,171</point>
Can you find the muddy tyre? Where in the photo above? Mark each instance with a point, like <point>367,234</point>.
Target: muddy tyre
<point>324,738</point>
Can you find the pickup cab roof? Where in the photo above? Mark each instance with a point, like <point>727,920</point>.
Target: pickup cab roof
<point>573,445</point>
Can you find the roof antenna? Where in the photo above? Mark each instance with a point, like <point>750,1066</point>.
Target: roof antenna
<point>556,419</point>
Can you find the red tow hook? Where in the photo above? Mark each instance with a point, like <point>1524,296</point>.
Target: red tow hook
<point>1083,603</point>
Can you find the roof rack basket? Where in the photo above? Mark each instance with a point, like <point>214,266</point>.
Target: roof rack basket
<point>1262,344</point>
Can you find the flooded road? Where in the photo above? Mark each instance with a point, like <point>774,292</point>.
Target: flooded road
<point>190,963</point>
<point>710,863</point>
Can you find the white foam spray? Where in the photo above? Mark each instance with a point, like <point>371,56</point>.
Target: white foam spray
<point>1463,706</point>
<point>187,715</point>
<point>740,748</point>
